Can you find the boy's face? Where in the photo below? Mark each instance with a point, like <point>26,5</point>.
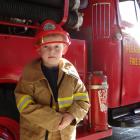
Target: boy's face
<point>51,53</point>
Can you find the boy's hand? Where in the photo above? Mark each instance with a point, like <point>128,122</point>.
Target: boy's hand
<point>66,120</point>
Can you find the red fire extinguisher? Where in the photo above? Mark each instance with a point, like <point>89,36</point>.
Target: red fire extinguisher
<point>98,90</point>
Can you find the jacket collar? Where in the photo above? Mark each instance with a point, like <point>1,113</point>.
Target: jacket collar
<point>33,72</point>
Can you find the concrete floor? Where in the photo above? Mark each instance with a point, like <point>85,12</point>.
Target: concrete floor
<point>125,134</point>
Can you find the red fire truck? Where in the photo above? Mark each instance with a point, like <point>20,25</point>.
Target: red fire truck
<point>105,49</point>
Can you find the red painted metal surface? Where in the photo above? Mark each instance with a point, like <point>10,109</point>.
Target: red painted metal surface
<point>131,70</point>
<point>104,50</point>
<point>83,134</point>
<point>119,59</point>
<point>5,134</point>
<point>77,54</point>
<point>9,129</point>
<point>17,51</point>
<point>131,57</point>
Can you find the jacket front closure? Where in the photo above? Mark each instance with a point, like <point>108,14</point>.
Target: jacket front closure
<point>60,78</point>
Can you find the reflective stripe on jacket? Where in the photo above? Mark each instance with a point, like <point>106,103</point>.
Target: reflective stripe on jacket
<point>33,95</point>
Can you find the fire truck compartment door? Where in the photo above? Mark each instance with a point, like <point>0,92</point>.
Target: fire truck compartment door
<point>130,26</point>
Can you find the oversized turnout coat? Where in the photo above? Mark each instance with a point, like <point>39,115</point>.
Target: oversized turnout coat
<point>33,96</point>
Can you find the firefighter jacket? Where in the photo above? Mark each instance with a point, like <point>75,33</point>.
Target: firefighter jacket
<point>33,95</point>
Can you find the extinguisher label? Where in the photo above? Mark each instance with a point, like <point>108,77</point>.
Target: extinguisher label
<point>102,96</point>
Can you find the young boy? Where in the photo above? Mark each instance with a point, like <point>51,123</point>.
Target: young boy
<point>50,96</point>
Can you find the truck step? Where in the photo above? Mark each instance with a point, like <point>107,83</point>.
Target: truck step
<point>127,121</point>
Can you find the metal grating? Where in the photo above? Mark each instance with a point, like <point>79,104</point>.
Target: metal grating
<point>101,20</point>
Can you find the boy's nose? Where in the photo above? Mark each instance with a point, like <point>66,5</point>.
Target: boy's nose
<point>51,49</point>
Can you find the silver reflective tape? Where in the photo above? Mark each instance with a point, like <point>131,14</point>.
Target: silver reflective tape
<point>65,102</point>
<point>105,86</point>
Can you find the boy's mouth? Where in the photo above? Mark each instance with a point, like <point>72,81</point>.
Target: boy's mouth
<point>51,57</point>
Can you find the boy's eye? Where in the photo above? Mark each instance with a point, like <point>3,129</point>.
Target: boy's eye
<point>57,46</point>
<point>45,46</point>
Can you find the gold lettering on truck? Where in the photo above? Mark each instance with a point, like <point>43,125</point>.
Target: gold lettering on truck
<point>134,61</point>
<point>133,51</point>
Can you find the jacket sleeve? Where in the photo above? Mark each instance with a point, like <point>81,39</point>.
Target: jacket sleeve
<point>31,111</point>
<point>81,103</point>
